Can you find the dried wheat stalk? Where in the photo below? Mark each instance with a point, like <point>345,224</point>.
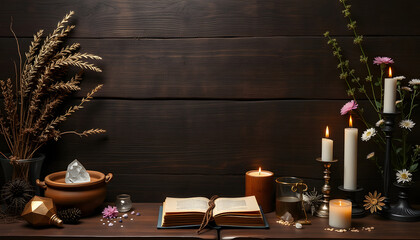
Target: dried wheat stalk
<point>28,119</point>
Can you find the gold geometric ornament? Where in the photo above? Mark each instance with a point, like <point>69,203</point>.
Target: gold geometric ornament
<point>41,211</point>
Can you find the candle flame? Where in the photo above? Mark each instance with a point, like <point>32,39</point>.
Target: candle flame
<point>339,202</point>
<point>259,171</point>
<point>350,122</point>
<point>390,72</point>
<point>327,132</point>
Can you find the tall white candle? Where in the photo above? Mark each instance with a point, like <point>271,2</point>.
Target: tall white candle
<point>350,156</point>
<point>327,147</point>
<point>390,95</point>
<point>340,213</point>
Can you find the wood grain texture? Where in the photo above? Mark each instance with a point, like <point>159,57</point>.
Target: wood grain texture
<point>156,187</point>
<point>196,18</point>
<point>198,92</point>
<point>208,141</point>
<point>236,68</point>
<point>202,137</point>
<point>142,227</point>
<point>384,229</point>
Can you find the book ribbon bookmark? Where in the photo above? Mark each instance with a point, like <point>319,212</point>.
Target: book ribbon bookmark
<point>208,216</point>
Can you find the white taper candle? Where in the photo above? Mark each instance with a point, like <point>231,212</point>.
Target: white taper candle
<point>350,156</point>
<point>390,95</point>
<point>327,147</point>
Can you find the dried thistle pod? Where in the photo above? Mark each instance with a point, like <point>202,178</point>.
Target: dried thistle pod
<point>16,194</point>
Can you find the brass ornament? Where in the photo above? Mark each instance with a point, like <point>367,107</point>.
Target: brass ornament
<point>374,202</point>
<point>301,187</point>
<point>41,211</point>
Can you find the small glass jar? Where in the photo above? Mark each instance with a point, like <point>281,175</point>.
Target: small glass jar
<point>288,199</point>
<point>123,203</point>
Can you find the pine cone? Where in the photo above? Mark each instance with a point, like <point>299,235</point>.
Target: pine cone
<point>70,216</point>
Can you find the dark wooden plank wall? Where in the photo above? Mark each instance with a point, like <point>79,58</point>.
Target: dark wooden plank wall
<point>198,92</point>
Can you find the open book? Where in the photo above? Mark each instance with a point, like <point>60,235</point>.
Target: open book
<point>242,211</point>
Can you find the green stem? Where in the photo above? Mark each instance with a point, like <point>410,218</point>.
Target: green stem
<point>366,64</point>
<point>413,96</point>
<point>381,85</point>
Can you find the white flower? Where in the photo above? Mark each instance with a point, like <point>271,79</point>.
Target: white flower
<point>408,89</point>
<point>379,123</point>
<point>399,78</point>
<point>414,82</point>
<point>370,155</point>
<point>407,124</point>
<point>368,134</point>
<point>403,176</point>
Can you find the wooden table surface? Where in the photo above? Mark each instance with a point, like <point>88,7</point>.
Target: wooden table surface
<point>142,227</point>
<point>384,229</point>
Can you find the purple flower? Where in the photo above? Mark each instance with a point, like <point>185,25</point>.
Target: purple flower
<point>110,212</point>
<point>382,60</point>
<point>348,107</point>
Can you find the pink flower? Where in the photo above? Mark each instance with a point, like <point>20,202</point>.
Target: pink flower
<point>348,107</point>
<point>382,60</point>
<point>110,212</point>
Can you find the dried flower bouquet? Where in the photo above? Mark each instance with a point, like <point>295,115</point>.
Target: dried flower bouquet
<point>406,156</point>
<point>29,117</point>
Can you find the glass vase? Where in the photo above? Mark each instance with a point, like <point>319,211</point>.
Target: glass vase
<point>27,169</point>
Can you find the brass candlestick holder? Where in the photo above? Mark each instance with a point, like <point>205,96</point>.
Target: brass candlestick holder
<point>323,210</point>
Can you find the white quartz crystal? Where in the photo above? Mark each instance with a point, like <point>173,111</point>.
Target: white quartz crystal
<point>287,217</point>
<point>76,173</point>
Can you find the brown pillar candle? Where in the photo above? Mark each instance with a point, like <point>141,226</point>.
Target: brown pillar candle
<point>261,185</point>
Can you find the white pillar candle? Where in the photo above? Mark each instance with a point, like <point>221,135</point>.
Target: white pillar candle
<point>350,157</point>
<point>327,147</point>
<point>340,213</point>
<point>390,95</point>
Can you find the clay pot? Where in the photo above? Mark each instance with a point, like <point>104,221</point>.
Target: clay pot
<point>86,196</point>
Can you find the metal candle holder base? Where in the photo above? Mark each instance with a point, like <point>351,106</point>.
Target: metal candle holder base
<point>323,210</point>
<point>401,211</point>
<point>357,211</point>
<point>388,128</point>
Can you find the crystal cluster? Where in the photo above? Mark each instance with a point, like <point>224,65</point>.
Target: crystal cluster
<point>76,173</point>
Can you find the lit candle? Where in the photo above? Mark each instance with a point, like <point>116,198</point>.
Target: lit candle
<point>340,213</point>
<point>390,93</point>
<point>260,183</point>
<point>350,156</point>
<point>327,147</point>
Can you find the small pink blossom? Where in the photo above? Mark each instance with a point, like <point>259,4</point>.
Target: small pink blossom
<point>110,212</point>
<point>382,60</point>
<point>348,107</point>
